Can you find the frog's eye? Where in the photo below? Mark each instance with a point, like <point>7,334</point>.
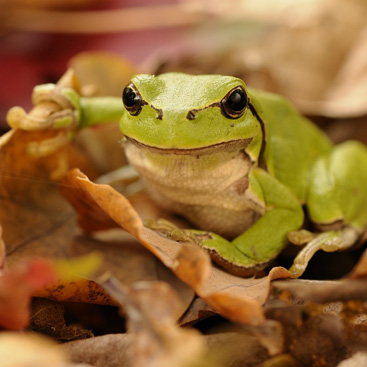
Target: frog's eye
<point>233,105</point>
<point>133,101</point>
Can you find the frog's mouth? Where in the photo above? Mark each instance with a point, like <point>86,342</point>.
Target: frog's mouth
<point>227,146</point>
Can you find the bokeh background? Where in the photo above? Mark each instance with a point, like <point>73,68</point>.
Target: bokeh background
<point>312,51</point>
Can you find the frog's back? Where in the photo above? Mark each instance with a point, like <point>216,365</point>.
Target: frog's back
<point>292,142</point>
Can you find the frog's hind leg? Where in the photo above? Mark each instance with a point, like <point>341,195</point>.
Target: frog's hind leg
<point>337,194</point>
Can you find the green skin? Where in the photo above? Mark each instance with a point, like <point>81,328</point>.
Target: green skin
<point>290,164</point>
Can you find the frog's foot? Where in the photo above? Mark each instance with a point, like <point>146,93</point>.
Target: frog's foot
<point>227,256</point>
<point>330,241</point>
<point>171,231</point>
<point>224,253</point>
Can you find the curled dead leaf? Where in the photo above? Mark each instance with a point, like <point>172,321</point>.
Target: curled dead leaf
<point>236,298</point>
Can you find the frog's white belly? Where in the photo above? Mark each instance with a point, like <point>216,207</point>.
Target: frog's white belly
<point>209,189</point>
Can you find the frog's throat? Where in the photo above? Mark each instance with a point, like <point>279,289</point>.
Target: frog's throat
<point>231,145</point>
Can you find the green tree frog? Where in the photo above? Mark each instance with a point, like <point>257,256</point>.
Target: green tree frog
<point>242,165</point>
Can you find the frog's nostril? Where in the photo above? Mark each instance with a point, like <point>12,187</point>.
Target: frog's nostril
<point>191,115</point>
<point>159,113</point>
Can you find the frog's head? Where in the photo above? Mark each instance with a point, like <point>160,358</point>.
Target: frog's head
<point>182,112</point>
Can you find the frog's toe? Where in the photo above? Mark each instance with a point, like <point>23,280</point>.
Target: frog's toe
<point>330,241</point>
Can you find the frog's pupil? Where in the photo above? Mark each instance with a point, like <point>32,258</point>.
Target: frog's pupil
<point>129,97</point>
<point>237,100</point>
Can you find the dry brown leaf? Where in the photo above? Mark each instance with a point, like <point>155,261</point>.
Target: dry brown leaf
<point>236,298</point>
<point>360,270</point>
<point>31,206</point>
<point>90,218</point>
<point>198,310</point>
<point>78,290</point>
<point>152,310</point>
<point>48,318</point>
<point>321,291</point>
<point>236,348</point>
<point>37,221</point>
<point>111,350</point>
<point>35,218</point>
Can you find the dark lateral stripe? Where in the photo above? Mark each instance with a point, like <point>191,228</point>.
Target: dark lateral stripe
<point>261,159</point>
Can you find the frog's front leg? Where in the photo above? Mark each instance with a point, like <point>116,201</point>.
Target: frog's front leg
<point>262,242</point>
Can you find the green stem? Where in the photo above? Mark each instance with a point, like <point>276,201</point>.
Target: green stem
<point>100,110</point>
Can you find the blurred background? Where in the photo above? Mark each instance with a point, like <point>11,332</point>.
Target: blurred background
<point>312,51</point>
